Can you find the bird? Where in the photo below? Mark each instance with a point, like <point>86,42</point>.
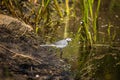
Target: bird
<point>59,44</point>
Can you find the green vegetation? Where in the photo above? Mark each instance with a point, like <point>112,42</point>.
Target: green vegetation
<point>52,17</point>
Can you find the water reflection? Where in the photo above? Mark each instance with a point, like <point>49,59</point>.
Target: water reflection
<point>97,62</point>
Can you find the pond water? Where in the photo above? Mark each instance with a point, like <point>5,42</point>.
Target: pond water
<point>99,62</point>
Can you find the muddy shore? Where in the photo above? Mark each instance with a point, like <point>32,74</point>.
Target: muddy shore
<point>21,57</point>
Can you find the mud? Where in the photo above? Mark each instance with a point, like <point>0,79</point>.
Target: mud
<point>21,57</point>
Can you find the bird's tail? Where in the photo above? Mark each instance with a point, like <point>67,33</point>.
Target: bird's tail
<point>47,45</point>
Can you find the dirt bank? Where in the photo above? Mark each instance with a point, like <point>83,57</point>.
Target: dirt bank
<point>21,57</point>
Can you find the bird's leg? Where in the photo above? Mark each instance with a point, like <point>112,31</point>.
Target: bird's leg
<point>61,53</point>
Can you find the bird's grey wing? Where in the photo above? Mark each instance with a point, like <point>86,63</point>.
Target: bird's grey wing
<point>61,42</point>
<point>47,45</point>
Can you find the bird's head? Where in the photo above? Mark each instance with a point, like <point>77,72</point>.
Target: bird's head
<point>68,39</point>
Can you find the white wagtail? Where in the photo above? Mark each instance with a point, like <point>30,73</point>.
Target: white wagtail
<point>59,44</point>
